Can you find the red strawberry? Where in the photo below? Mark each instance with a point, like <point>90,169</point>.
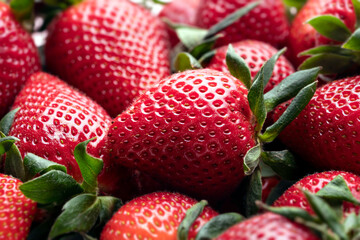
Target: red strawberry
<point>192,130</point>
<point>268,184</point>
<point>267,22</point>
<point>18,58</point>
<point>16,211</point>
<point>154,216</point>
<point>325,134</point>
<point>268,226</point>
<point>294,197</point>
<point>109,49</point>
<point>255,54</point>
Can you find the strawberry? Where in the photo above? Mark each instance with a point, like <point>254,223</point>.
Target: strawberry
<point>154,216</point>
<point>16,210</point>
<point>109,50</point>
<point>267,22</point>
<point>18,58</point>
<point>267,226</point>
<point>255,54</point>
<point>268,184</point>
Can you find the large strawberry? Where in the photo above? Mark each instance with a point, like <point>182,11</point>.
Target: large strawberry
<point>154,216</point>
<point>111,50</point>
<point>18,58</point>
<point>267,22</point>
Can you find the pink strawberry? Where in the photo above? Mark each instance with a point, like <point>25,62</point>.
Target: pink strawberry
<point>18,58</point>
<point>111,50</point>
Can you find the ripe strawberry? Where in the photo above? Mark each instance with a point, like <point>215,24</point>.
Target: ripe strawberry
<point>267,226</point>
<point>16,210</point>
<point>267,22</point>
<point>109,50</point>
<point>325,134</point>
<point>293,197</point>
<point>18,58</point>
<point>192,130</point>
<point>154,216</point>
<point>268,184</point>
<point>255,54</point>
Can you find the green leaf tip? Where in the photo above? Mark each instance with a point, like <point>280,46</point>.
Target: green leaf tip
<point>238,67</point>
<point>7,121</point>
<point>37,165</point>
<point>185,61</point>
<point>252,159</point>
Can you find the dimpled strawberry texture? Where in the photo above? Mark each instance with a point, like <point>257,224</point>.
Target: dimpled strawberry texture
<point>267,22</point>
<point>16,211</point>
<point>255,54</point>
<point>18,58</point>
<point>109,50</point>
<point>293,197</point>
<point>53,118</point>
<point>326,132</point>
<point>303,36</point>
<point>192,130</point>
<point>268,226</point>
<point>154,216</point>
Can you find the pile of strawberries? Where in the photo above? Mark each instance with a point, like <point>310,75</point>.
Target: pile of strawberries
<point>124,117</point>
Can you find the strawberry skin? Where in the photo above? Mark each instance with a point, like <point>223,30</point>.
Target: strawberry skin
<point>268,226</point>
<point>18,58</point>
<point>255,54</point>
<point>325,134</point>
<point>16,211</point>
<point>192,130</point>
<point>154,216</point>
<point>109,50</point>
<point>267,22</point>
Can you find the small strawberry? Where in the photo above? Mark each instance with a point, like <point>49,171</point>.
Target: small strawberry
<point>109,50</point>
<point>154,216</point>
<point>18,58</point>
<point>16,211</point>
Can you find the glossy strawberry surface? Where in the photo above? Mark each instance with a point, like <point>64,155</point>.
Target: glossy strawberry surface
<point>268,226</point>
<point>154,216</point>
<point>111,50</point>
<point>293,197</point>
<point>255,54</point>
<point>192,130</point>
<point>18,58</point>
<point>16,211</point>
<point>267,22</point>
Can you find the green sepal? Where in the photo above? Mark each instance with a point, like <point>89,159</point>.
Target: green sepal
<point>185,61</point>
<point>6,143</point>
<point>190,36</point>
<point>330,27</point>
<point>79,215</point>
<point>191,215</point>
<point>269,65</point>
<point>7,121</point>
<point>217,225</point>
<point>52,187</point>
<point>293,110</point>
<point>353,43</point>
<point>338,190</point>
<point>37,165</point>
<point>22,9</point>
<point>207,57</point>
<point>63,4</point>
<point>351,222</point>
<point>253,193</point>
<point>289,87</point>
<point>252,159</point>
<point>256,100</point>
<point>356,5</point>
<point>109,205</point>
<point>298,4</point>
<point>204,47</point>
<point>13,163</point>
<point>327,49</point>
<point>90,167</point>
<point>238,67</point>
<point>282,162</point>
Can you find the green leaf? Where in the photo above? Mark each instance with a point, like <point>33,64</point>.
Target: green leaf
<point>190,36</point>
<point>6,143</point>
<point>52,187</point>
<point>7,121</point>
<point>289,87</point>
<point>294,109</point>
<point>351,222</point>
<point>356,4</point>
<point>109,205</point>
<point>253,193</point>
<point>295,3</point>
<point>269,65</point>
<point>353,43</point>
<point>282,162</point>
<point>337,189</point>
<point>22,9</point>
<point>256,100</point>
<point>238,67</point>
<point>338,50</point>
<point>185,61</point>
<point>34,164</point>
<point>252,159</point>
<point>191,215</point>
<point>218,225</point>
<point>14,164</point>
<point>79,215</point>
<point>330,27</point>
<point>90,166</point>
<point>204,47</point>
<point>230,19</point>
